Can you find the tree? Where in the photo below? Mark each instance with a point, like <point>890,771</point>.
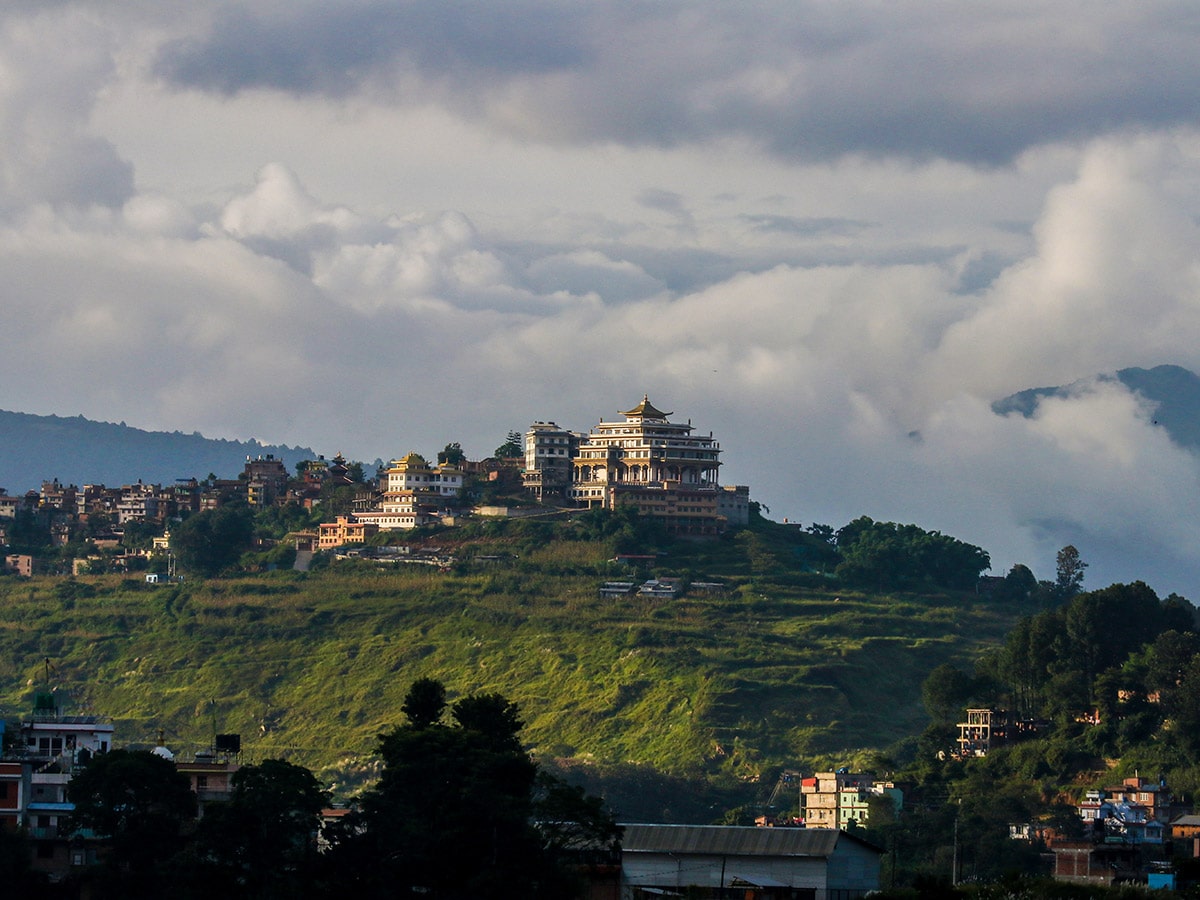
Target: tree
<point>492,718</point>
<point>512,448</point>
<point>141,804</point>
<point>945,692</point>
<point>1168,659</point>
<point>446,787</point>
<point>29,532</point>
<point>1031,653</point>
<point>452,455</point>
<point>213,539</point>
<point>261,843</point>
<point>1020,584</point>
<point>139,533</point>
<point>575,828</point>
<point>822,532</point>
<point>1179,614</point>
<point>1184,708</point>
<point>885,555</point>
<point>15,871</point>
<point>1068,569</point>
<point>1103,627</point>
<point>424,703</point>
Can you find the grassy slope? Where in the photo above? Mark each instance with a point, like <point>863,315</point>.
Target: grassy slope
<point>313,667</point>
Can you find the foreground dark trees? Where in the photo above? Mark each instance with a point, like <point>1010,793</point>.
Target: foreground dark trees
<point>460,811</point>
<point>456,812</point>
<point>261,843</point>
<point>144,807</point>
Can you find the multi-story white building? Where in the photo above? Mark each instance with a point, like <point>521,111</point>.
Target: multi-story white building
<point>50,748</point>
<point>664,469</point>
<point>646,449</point>
<point>49,734</point>
<point>413,473</point>
<point>412,492</point>
<point>549,451</point>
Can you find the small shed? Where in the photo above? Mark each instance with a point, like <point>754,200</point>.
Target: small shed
<point>761,863</point>
<point>616,588</point>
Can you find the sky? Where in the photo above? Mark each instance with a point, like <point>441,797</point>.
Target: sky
<point>829,233</point>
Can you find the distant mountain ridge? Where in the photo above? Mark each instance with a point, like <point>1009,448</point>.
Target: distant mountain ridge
<point>1175,389</point>
<point>76,450</point>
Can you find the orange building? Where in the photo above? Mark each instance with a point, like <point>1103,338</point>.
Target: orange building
<point>346,530</point>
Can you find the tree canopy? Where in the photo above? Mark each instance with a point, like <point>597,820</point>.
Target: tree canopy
<point>513,446</point>
<point>889,556</point>
<point>452,455</point>
<point>446,787</point>
<point>142,804</point>
<point>1069,566</point>
<point>261,842</point>
<point>213,539</point>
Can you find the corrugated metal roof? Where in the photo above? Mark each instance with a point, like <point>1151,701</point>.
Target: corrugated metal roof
<point>732,840</point>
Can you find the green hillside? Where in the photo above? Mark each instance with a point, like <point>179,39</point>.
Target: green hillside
<point>776,670</point>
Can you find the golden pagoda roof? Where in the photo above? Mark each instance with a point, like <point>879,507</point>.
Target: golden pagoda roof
<point>413,459</point>
<point>646,410</point>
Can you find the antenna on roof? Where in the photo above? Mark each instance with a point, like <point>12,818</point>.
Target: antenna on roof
<point>212,706</point>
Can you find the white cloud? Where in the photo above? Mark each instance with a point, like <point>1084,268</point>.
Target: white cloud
<point>280,207</point>
<point>1114,280</point>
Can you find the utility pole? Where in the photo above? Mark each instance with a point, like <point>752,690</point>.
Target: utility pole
<point>954,859</point>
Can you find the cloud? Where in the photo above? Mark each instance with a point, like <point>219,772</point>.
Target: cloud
<point>666,201</point>
<point>1114,281</point>
<point>340,48</point>
<point>52,65</point>
<point>981,83</point>
<point>584,271</point>
<point>805,227</point>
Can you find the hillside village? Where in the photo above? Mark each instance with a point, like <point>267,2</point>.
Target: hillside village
<point>1130,829</point>
<point>664,470</point>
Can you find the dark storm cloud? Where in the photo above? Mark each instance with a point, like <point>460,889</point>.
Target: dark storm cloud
<point>978,82</point>
<point>336,48</point>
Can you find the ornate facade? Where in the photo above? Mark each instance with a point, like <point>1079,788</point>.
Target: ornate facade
<point>664,469</point>
<point>646,449</point>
